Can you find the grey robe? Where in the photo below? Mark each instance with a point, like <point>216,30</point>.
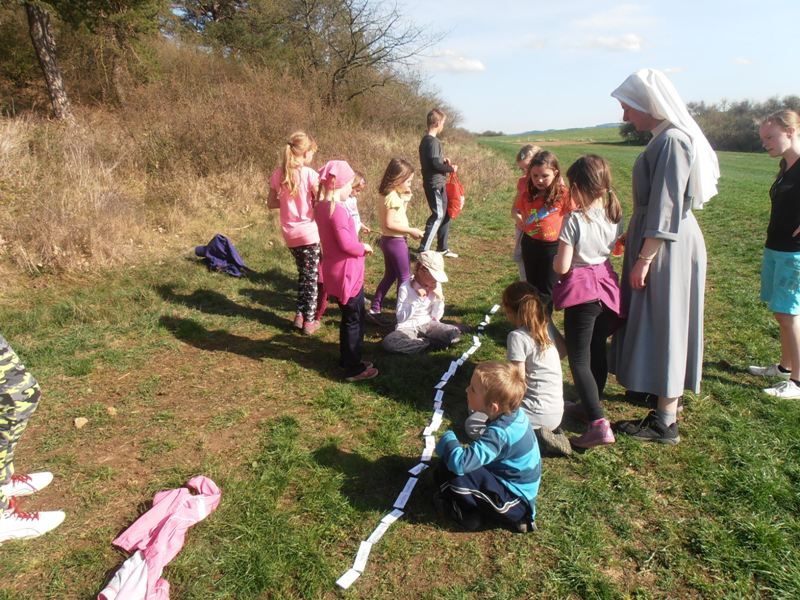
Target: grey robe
<point>660,348</point>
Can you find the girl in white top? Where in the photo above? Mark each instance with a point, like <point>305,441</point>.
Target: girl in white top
<point>420,307</point>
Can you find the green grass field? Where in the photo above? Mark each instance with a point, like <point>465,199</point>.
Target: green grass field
<point>207,376</point>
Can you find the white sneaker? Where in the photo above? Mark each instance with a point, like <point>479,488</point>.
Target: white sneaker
<point>18,525</point>
<point>25,485</point>
<point>449,254</point>
<point>770,371</point>
<point>785,389</point>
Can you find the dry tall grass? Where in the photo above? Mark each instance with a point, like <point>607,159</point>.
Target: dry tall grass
<point>187,155</point>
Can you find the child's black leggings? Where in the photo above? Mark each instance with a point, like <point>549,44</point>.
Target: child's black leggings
<point>586,328</point>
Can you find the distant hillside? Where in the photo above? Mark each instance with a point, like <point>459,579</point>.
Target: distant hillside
<point>607,132</point>
<point>548,131</point>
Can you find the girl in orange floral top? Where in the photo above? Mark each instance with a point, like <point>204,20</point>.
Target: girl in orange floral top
<point>538,212</point>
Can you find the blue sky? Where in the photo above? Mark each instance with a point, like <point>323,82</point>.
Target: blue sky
<point>515,66</point>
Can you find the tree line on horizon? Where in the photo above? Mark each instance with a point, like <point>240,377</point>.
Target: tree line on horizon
<point>728,125</point>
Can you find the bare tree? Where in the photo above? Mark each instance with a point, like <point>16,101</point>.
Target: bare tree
<point>354,45</point>
<point>44,43</point>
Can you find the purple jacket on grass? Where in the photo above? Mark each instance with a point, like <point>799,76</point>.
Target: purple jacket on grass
<point>221,255</point>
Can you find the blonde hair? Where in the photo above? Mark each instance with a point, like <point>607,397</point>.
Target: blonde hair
<point>292,158</point>
<point>359,181</point>
<point>527,152</point>
<point>504,384</point>
<point>591,176</point>
<point>397,171</point>
<point>521,300</point>
<point>784,119</point>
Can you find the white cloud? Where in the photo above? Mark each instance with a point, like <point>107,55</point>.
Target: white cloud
<point>448,61</point>
<point>534,42</point>
<point>629,42</point>
<point>739,60</point>
<point>624,16</point>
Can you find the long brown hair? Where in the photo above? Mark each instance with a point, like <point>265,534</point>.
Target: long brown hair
<point>591,176</point>
<point>397,171</point>
<point>521,300</point>
<point>547,159</point>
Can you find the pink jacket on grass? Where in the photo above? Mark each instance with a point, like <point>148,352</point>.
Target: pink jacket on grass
<point>342,253</point>
<point>157,537</point>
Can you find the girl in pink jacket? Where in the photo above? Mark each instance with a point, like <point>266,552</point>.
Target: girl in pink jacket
<point>343,265</point>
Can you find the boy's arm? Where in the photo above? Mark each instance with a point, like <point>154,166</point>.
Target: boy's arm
<point>481,452</point>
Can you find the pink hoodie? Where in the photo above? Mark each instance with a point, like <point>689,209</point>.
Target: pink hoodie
<point>157,536</point>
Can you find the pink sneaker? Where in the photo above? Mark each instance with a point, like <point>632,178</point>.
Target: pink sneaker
<point>311,327</point>
<point>298,321</point>
<point>598,434</point>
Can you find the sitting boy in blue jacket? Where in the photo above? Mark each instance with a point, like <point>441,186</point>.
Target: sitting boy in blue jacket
<point>498,474</point>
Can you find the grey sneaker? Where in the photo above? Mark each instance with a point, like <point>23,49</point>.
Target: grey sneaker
<point>785,389</point>
<point>553,442</point>
<point>770,371</point>
<point>449,254</point>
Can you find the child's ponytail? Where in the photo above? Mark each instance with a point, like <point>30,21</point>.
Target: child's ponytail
<point>292,159</point>
<point>613,207</point>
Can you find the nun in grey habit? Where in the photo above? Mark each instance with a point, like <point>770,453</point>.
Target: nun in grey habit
<point>659,350</point>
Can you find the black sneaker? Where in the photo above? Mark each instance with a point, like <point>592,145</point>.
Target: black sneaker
<point>649,429</point>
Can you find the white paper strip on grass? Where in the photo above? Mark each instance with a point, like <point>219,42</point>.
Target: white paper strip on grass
<point>464,357</point>
<point>346,580</point>
<point>378,532</point>
<point>438,396</point>
<point>476,342</point>
<point>392,516</point>
<point>494,309</point>
<point>403,497</point>
<point>453,368</point>
<point>426,455</point>
<point>441,384</point>
<point>488,319</point>
<point>360,563</point>
<point>446,376</point>
<point>437,405</point>
<point>418,469</point>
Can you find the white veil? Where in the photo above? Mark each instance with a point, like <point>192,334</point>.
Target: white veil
<point>649,91</point>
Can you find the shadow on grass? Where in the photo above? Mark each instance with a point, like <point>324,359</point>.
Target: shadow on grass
<point>213,302</point>
<point>373,485</point>
<point>308,353</point>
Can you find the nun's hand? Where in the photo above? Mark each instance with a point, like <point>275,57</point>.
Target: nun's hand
<point>638,276</point>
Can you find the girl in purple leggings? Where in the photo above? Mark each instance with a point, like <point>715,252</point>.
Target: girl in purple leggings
<point>396,191</point>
